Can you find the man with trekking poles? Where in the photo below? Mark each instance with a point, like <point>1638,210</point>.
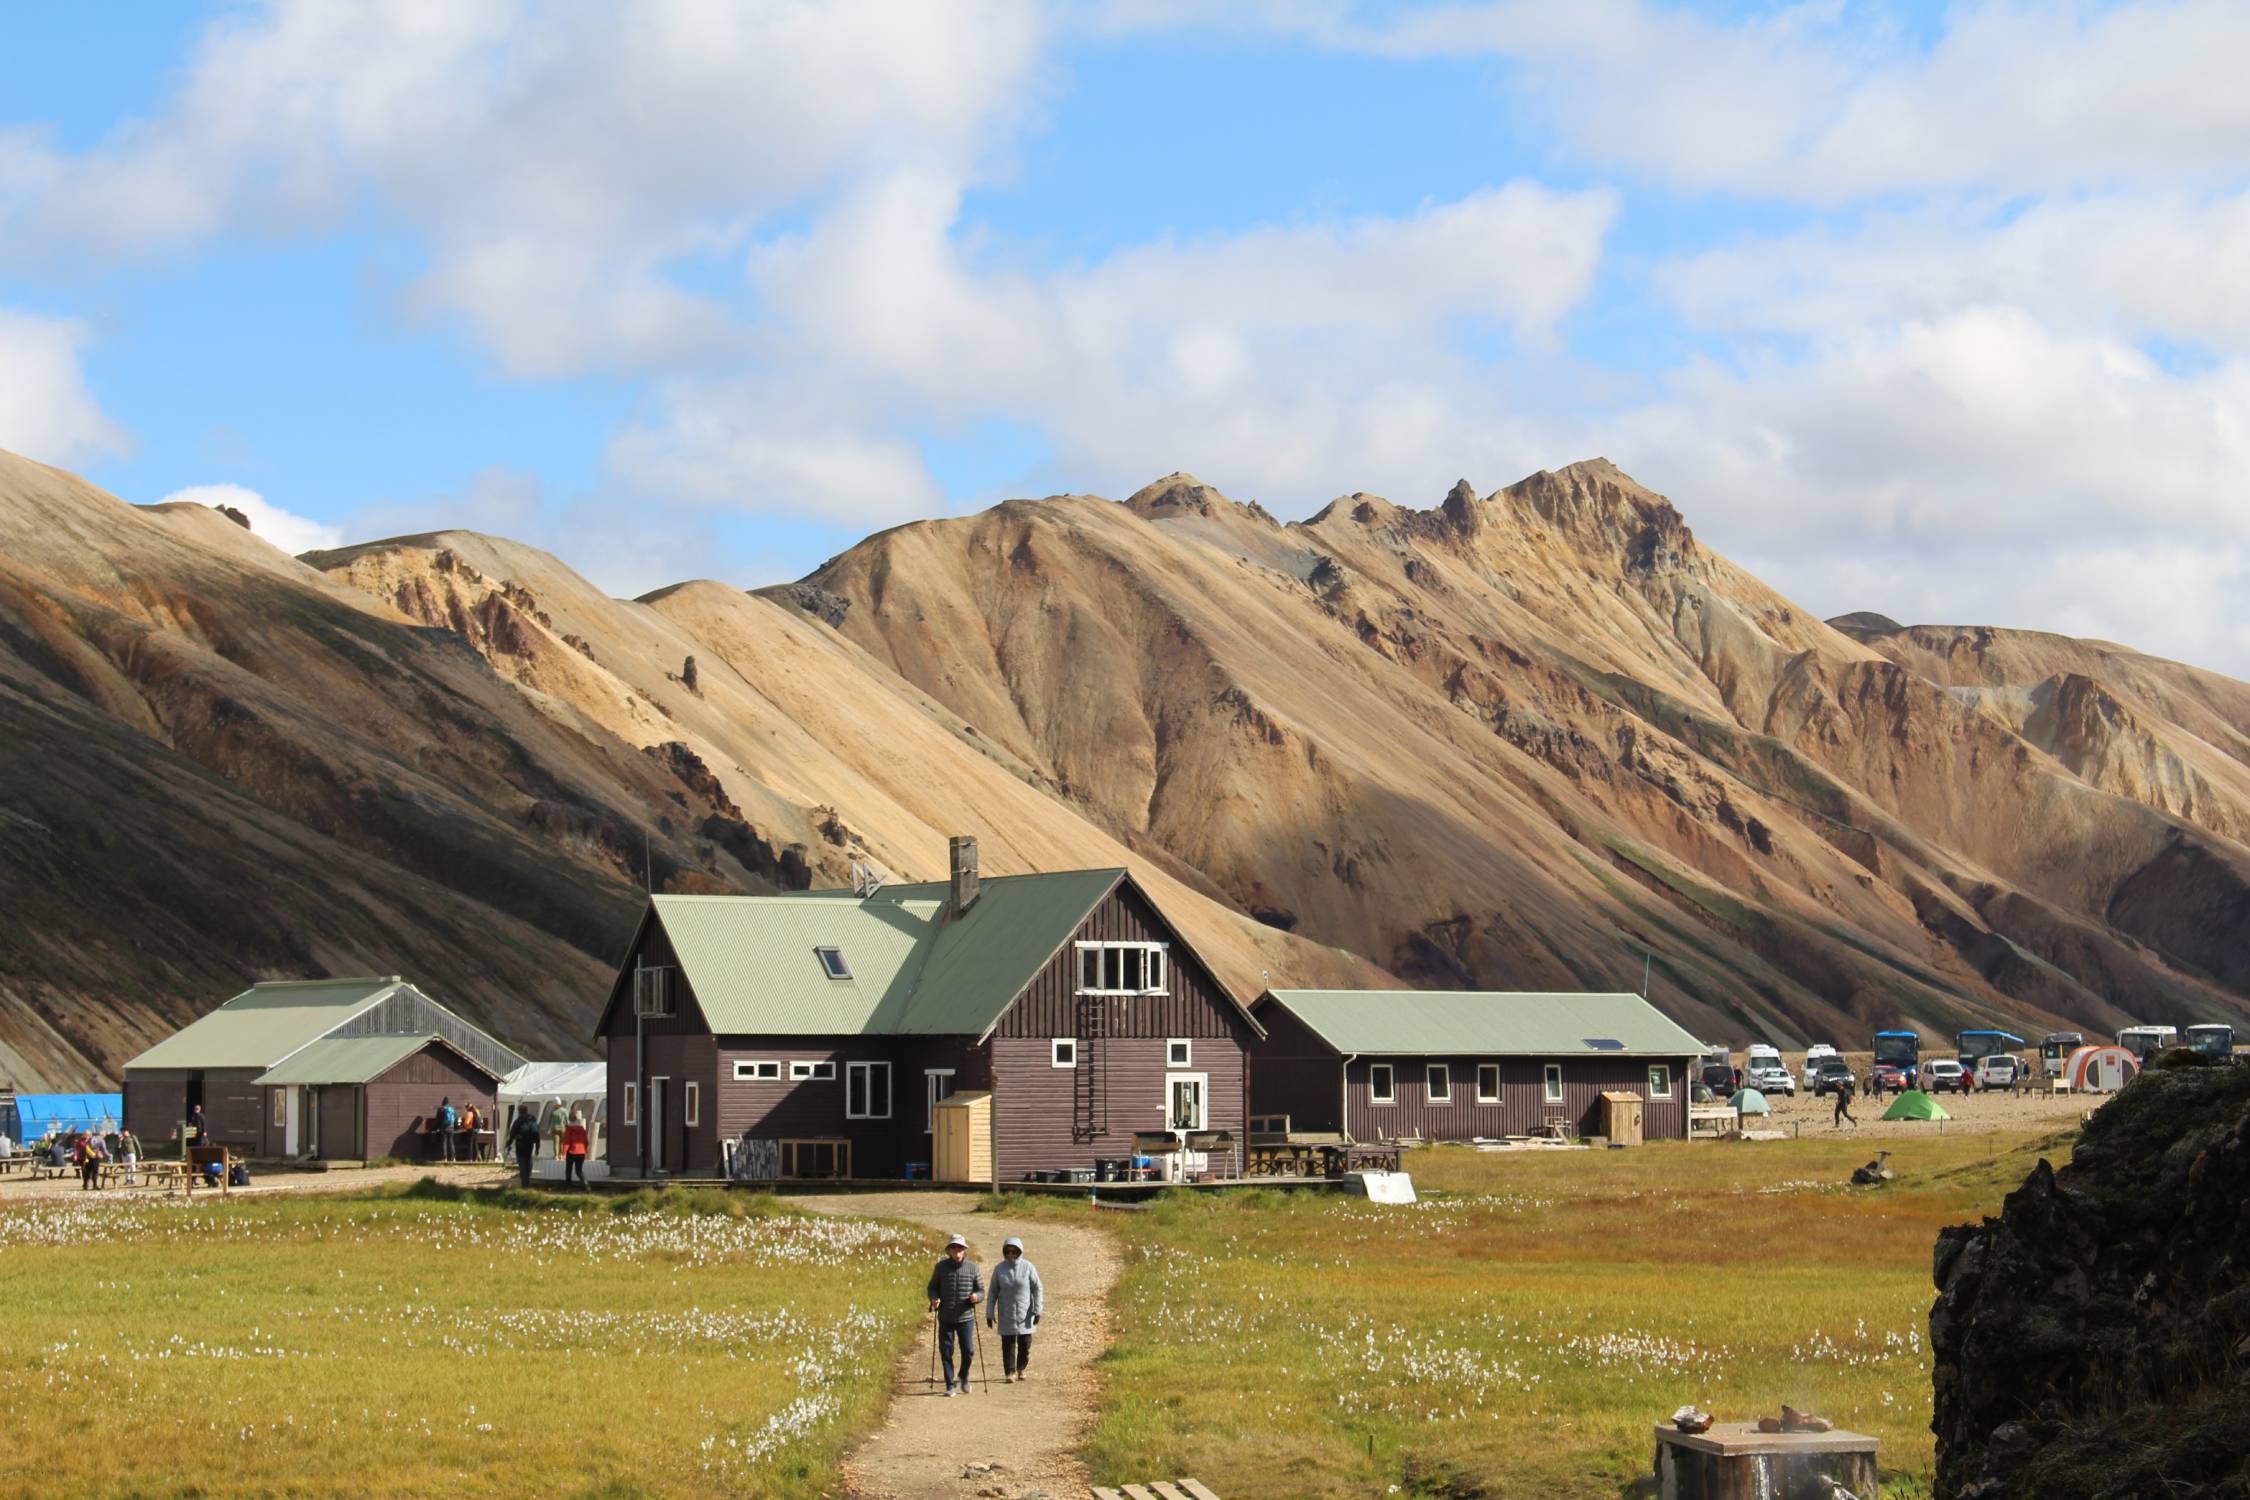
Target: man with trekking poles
<point>956,1287</point>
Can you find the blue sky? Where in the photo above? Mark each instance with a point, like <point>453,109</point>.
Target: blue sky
<point>1933,310</point>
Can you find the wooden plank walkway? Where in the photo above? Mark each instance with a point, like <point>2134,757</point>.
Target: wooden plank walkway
<point>1156,1489</point>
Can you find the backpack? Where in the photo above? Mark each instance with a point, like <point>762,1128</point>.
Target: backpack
<point>445,1117</point>
<point>238,1176</point>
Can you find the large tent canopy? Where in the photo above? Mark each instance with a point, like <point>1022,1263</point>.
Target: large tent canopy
<point>38,1114</point>
<point>542,1082</point>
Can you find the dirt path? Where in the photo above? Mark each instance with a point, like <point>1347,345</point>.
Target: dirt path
<point>1015,1442</point>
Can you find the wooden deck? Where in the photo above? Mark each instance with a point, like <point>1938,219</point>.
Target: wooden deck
<point>1125,1192</point>
<point>1156,1489</point>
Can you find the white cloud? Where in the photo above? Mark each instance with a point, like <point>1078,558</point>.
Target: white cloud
<point>555,159</point>
<point>46,411</point>
<point>1274,360</point>
<point>292,533</point>
<point>1829,103</point>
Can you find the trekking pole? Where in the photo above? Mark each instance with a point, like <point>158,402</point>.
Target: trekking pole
<point>983,1374</point>
<point>933,1346</point>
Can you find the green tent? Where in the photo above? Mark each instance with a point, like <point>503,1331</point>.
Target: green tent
<point>1915,1105</point>
<point>1750,1102</point>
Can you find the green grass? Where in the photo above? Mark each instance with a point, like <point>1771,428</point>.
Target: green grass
<point>440,1341</point>
<point>1518,1331</point>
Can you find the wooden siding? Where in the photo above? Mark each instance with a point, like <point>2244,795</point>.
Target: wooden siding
<point>1294,1073</point>
<point>679,1059</point>
<point>409,1012</point>
<point>154,1107</point>
<point>231,1104</point>
<point>1195,1003</point>
<point>654,949</point>
<point>1031,1098</point>
<point>403,1100</point>
<point>1522,1107</point>
<point>786,1109</point>
<point>1032,1106</point>
<point>340,1122</point>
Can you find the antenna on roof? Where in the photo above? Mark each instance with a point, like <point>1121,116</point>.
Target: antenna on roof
<point>1647,959</point>
<point>865,882</point>
<point>648,865</point>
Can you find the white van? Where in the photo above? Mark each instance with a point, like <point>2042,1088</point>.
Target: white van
<point>2144,1042</point>
<point>1813,1055</point>
<point>1764,1071</point>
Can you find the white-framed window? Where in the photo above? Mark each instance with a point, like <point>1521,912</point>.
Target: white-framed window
<point>748,1070</point>
<point>1551,1083</point>
<point>1381,1089</point>
<point>832,963</point>
<point>1062,1052</point>
<point>1438,1079</point>
<point>1488,1083</point>
<point>1179,1052</point>
<point>280,1107</point>
<point>1185,1100</point>
<point>1659,1081</point>
<point>937,1083</point>
<point>867,1091</point>
<point>632,1104</point>
<point>1123,968</point>
<point>691,1103</point>
<point>801,1070</point>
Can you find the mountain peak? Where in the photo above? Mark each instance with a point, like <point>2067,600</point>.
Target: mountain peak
<point>1602,508</point>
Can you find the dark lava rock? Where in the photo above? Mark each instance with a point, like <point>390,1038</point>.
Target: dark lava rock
<point>2094,1340</point>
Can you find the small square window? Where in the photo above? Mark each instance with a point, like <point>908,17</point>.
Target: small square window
<point>1551,1083</point>
<point>1659,1081</point>
<point>1179,1052</point>
<point>1488,1083</point>
<point>822,1071</point>
<point>1440,1082</point>
<point>1062,1052</point>
<point>748,1071</point>
<point>1380,1088</point>
<point>832,963</point>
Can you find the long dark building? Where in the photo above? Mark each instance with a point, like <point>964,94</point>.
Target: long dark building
<point>818,1033</point>
<point>1454,1065</point>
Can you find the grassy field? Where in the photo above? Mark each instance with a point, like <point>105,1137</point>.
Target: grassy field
<point>1518,1331</point>
<point>432,1342</point>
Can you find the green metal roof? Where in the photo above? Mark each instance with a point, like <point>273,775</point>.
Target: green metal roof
<point>350,1059</point>
<point>752,963</point>
<point>265,1023</point>
<point>1487,1023</point>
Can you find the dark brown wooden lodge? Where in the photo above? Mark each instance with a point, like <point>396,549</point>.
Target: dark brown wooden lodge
<point>321,1069</point>
<point>1390,1065</point>
<point>815,1033</point>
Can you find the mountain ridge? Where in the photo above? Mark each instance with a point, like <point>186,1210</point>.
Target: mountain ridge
<point>1517,739</point>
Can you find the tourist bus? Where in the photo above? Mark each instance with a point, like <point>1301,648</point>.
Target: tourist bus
<point>1901,1050</point>
<point>2055,1049</point>
<point>1972,1047</point>
<point>2144,1042</point>
<point>2212,1040</point>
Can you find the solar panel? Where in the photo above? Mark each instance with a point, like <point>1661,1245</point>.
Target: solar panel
<point>1603,1043</point>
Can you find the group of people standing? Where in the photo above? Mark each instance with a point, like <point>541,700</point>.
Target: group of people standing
<point>564,1129</point>
<point>1012,1307</point>
<point>92,1151</point>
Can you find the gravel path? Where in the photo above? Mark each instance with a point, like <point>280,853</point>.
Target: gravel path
<point>1015,1442</point>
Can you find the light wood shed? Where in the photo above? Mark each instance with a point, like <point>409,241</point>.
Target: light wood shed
<point>1621,1118</point>
<point>962,1150</point>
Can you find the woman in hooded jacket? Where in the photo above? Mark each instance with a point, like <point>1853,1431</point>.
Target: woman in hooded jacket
<point>1013,1306</point>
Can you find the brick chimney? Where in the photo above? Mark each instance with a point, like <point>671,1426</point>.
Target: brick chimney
<point>964,893</point>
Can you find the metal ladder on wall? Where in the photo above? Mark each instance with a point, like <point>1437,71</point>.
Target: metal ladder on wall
<point>1089,1091</point>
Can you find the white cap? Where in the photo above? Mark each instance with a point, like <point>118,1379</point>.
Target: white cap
<point>957,1240</point>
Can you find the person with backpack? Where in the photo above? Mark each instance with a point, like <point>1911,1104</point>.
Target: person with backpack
<point>1013,1310</point>
<point>523,1139</point>
<point>574,1150</point>
<point>89,1154</point>
<point>446,1120</point>
<point>956,1287</point>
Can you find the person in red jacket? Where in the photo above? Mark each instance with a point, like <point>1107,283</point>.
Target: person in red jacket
<point>574,1150</point>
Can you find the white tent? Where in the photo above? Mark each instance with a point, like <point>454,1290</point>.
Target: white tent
<point>580,1086</point>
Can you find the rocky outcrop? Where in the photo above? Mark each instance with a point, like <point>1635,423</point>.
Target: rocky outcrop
<point>2094,1339</point>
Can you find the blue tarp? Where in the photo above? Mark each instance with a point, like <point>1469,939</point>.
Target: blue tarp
<point>37,1114</point>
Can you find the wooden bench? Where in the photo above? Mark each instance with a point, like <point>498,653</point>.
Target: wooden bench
<point>199,1158</point>
<point>15,1159</point>
<point>1156,1489</point>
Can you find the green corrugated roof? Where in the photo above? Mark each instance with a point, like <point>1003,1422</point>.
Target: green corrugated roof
<point>751,962</point>
<point>349,1059</point>
<point>1487,1023</point>
<point>265,1023</point>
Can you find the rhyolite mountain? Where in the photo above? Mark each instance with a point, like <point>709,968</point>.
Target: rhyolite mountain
<point>1518,740</point>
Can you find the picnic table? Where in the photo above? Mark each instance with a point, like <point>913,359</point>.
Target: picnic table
<point>15,1159</point>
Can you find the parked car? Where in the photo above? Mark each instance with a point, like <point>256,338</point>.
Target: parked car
<point>1999,1071</point>
<point>1768,1075</point>
<point>1941,1075</point>
<point>1834,1074</point>
<point>1815,1055</point>
<point>1888,1078</point>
